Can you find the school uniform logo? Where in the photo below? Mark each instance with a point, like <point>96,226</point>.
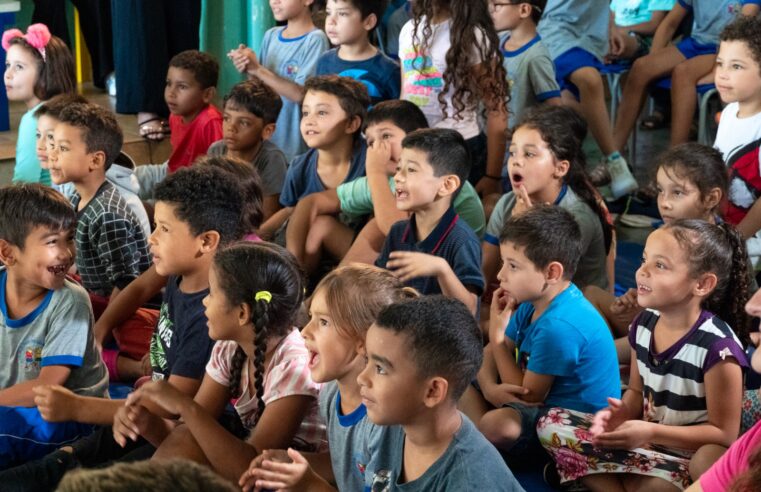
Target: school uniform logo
<point>290,69</point>
<point>31,356</point>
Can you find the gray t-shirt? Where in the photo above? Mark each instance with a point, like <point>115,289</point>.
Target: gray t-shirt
<point>270,163</point>
<point>348,438</point>
<point>530,74</point>
<point>568,24</point>
<point>57,333</point>
<point>591,269</point>
<point>469,463</point>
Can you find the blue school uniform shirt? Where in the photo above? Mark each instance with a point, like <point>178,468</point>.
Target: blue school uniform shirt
<point>294,59</point>
<point>302,178</point>
<point>380,74</point>
<point>571,342</point>
<point>710,17</point>
<point>568,24</point>
<point>451,239</point>
<point>27,168</point>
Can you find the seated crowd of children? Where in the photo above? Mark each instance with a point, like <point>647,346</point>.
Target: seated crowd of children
<point>364,273</point>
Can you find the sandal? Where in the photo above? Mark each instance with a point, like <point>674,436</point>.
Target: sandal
<point>154,129</point>
<point>655,121</point>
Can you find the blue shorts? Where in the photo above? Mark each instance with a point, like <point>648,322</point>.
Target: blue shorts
<point>690,48</point>
<point>569,62</point>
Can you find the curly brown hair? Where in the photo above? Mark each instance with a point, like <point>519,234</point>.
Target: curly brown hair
<point>748,30</point>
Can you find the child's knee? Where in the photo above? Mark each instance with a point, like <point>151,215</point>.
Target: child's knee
<point>704,458</point>
<point>321,227</point>
<point>502,427</point>
<point>588,79</point>
<point>641,72</point>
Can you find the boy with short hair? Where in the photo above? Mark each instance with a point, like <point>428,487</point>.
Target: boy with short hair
<point>565,352</point>
<point>121,174</point>
<point>250,114</point>
<point>198,211</point>
<point>530,72</point>
<point>332,114</point>
<point>112,249</point>
<point>349,25</point>
<point>422,354</point>
<point>433,251</point>
<point>45,321</point>
<point>313,224</point>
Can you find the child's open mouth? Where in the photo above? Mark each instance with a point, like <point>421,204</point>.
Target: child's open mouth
<point>516,179</point>
<point>314,359</point>
<point>401,194</point>
<point>59,270</point>
<point>643,289</point>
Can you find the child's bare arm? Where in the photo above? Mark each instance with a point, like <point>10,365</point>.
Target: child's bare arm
<point>538,386</point>
<point>751,9</point>
<point>245,60</point>
<point>270,205</point>
<point>666,29</point>
<point>303,216</point>
<point>285,470</point>
<point>22,394</point>
<point>58,404</point>
<point>751,224</point>
<point>648,28</point>
<point>496,131</point>
<point>268,229</point>
<point>504,358</point>
<point>384,202</point>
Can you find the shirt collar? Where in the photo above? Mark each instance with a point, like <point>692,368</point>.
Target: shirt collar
<point>432,243</point>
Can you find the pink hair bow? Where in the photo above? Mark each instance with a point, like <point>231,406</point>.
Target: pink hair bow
<point>37,35</point>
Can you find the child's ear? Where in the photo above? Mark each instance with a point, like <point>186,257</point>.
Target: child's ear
<point>354,125</point>
<point>561,167</point>
<point>525,10</point>
<point>554,272</point>
<point>706,283</point>
<point>712,199</point>
<point>268,130</point>
<point>7,253</point>
<point>450,185</point>
<point>360,348</point>
<point>208,94</point>
<point>209,241</point>
<point>97,160</point>
<point>244,314</point>
<point>369,22</point>
<point>438,389</point>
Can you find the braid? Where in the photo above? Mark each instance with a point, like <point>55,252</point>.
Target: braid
<point>236,367</point>
<point>260,320</point>
<point>730,301</point>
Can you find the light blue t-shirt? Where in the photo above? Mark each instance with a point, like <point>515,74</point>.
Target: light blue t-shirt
<point>571,342</point>
<point>710,17</point>
<point>296,60</point>
<point>632,12</point>
<point>568,24</point>
<point>27,169</point>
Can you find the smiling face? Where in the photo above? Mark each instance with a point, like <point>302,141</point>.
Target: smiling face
<point>416,185</point>
<point>68,159</point>
<point>387,132</point>
<point>532,165</point>
<point>242,130</point>
<point>21,72</point>
<point>519,276</point>
<point>183,93</point>
<point>738,75</point>
<point>173,245</point>
<point>678,197</point>
<point>45,139</point>
<point>344,24</point>
<point>46,257</point>
<point>323,121</point>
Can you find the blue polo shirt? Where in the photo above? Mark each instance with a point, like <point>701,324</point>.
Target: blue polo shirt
<point>451,239</point>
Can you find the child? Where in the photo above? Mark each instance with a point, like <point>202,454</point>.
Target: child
<point>288,57</point>
<point>632,25</point>
<point>344,305</point>
<point>312,225</point>
<point>259,361</point>
<point>685,387</point>
<point>112,249</point>
<point>451,63</point>
<point>686,62</point>
<point>197,211</point>
<point>534,308</point>
<point>349,25</point>
<point>546,165</point>
<point>691,180</point>
<point>37,67</point>
<point>575,33</point>
<point>433,251</point>
<point>530,73</point>
<point>121,173</point>
<point>331,119</point>
<point>250,112</point>
<point>194,121</point>
<point>45,322</point>
<point>422,354</point>
<point>738,80</point>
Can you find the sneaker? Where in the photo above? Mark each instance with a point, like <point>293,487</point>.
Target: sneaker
<point>622,182</point>
<point>600,175</point>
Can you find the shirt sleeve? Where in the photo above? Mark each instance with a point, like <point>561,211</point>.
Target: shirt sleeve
<point>211,133</point>
<point>316,44</point>
<point>498,216</point>
<point>541,72</point>
<point>656,5</point>
<point>355,197</point>
<point>291,376</point>
<point>467,265</point>
<point>218,367</point>
<point>273,173</point>
<point>66,338</point>
<point>721,350</point>
<point>117,249</point>
<point>294,183</point>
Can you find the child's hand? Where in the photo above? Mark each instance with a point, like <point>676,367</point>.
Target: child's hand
<point>145,364</point>
<point>502,307</point>
<point>161,394</point>
<point>522,200</point>
<point>626,303</point>
<point>500,394</point>
<point>609,419</point>
<point>407,265</point>
<point>277,470</point>
<point>55,403</point>
<point>755,338</point>
<point>244,59</point>
<point>378,158</point>
<point>629,435</point>
<point>615,45</point>
<point>129,423</point>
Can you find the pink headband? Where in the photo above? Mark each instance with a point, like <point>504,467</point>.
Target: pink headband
<point>37,35</point>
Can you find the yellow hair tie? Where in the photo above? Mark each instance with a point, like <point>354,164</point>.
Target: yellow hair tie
<point>263,295</point>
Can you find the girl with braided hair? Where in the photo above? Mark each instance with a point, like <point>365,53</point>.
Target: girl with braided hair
<point>259,364</point>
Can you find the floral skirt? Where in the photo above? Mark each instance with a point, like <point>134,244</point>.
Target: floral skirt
<point>565,435</point>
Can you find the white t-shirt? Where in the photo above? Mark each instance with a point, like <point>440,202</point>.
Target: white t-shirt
<point>423,68</point>
<point>735,133</point>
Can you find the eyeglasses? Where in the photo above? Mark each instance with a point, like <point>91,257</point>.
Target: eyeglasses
<point>495,6</point>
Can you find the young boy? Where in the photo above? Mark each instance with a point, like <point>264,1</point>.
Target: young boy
<point>422,354</point>
<point>121,174</point>
<point>565,352</point>
<point>112,249</point>
<point>529,68</point>
<point>433,251</point>
<point>195,123</point>
<point>250,112</point>
<point>632,26</point>
<point>45,321</point>
<point>197,212</point>
<point>288,57</point>
<point>333,111</point>
<point>313,224</point>
<point>349,25</point>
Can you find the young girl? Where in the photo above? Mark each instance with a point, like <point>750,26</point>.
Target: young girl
<point>546,165</point>
<point>259,363</point>
<point>692,181</point>
<point>451,62</point>
<point>685,387</point>
<point>37,67</point>
<point>344,305</point>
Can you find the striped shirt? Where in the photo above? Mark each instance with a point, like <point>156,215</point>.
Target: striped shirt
<point>286,375</point>
<point>673,381</point>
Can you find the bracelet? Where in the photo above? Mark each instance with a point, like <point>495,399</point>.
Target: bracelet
<point>497,178</point>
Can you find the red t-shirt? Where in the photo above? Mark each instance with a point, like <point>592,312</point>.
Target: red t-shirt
<point>193,139</point>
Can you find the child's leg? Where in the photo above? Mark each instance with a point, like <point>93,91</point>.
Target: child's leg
<point>593,107</point>
<point>604,482</point>
<point>650,484</point>
<point>367,245</point>
<point>181,444</point>
<point>704,458</point>
<point>328,234</point>
<point>644,71</point>
<point>502,427</point>
<point>684,94</point>
<point>473,404</point>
